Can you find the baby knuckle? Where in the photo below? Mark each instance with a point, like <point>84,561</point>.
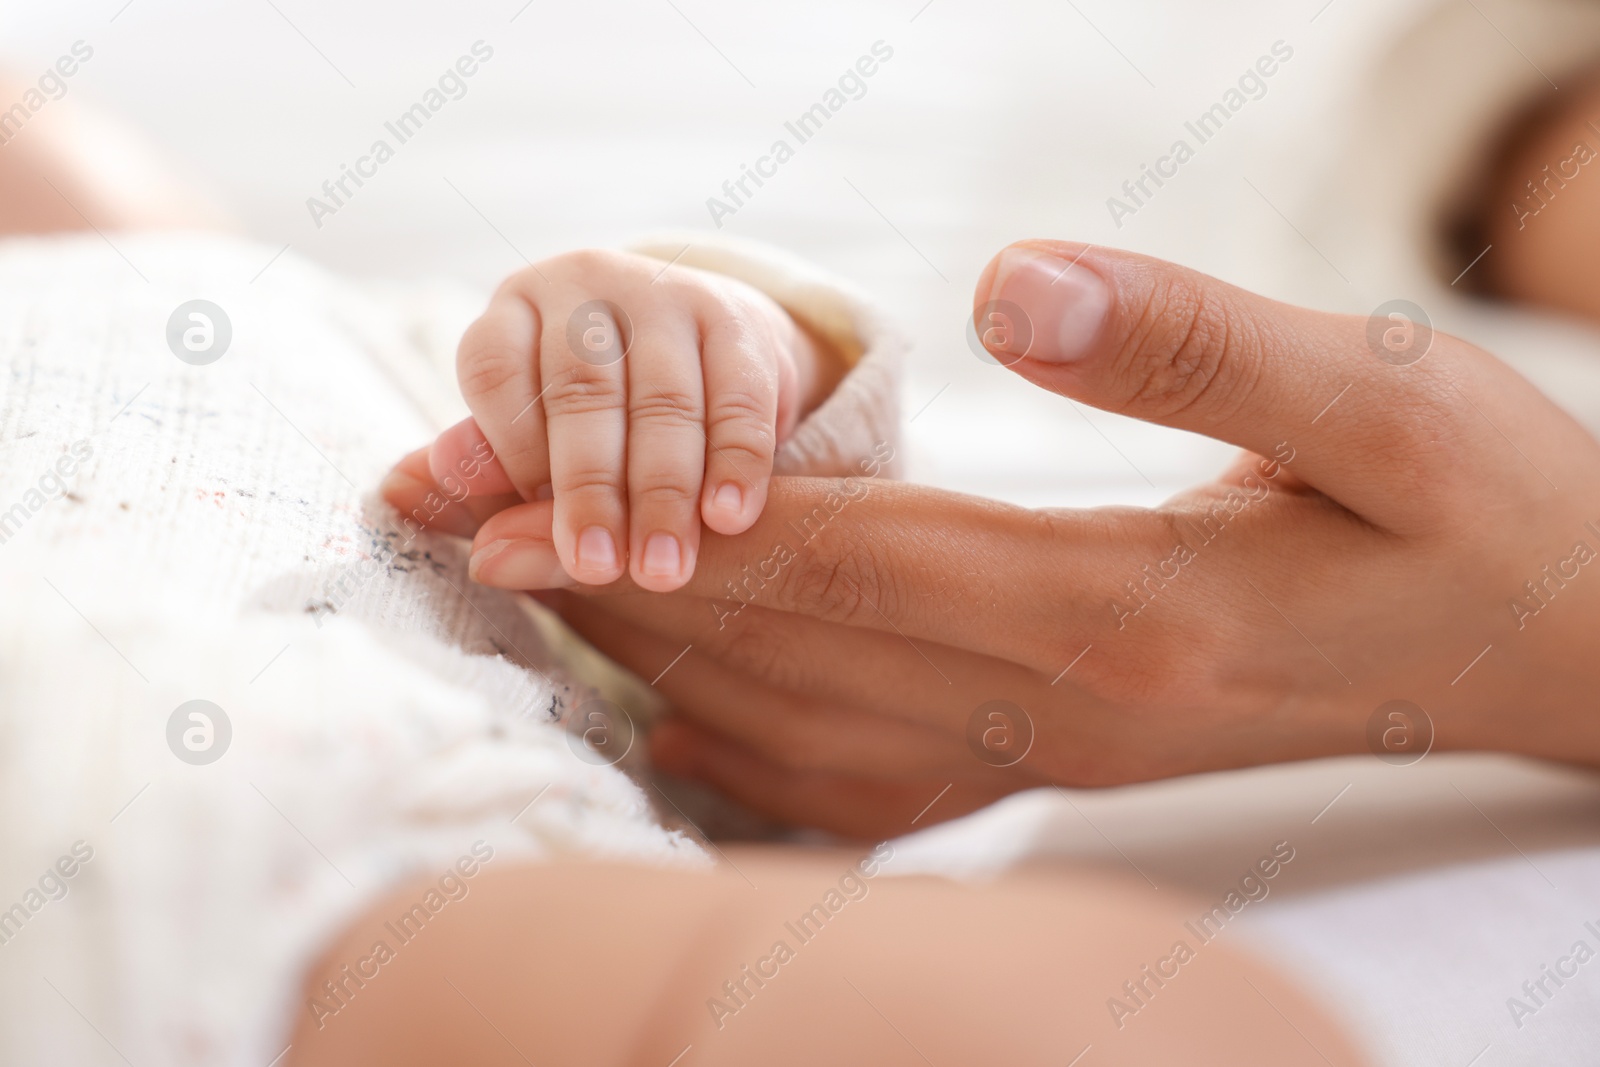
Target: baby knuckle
<point>485,367</point>
<point>582,392</point>
<point>750,450</point>
<point>525,455</point>
<point>587,263</point>
<point>746,458</point>
<point>749,397</point>
<point>589,481</point>
<point>742,418</point>
<point>524,285</point>
<point>666,489</point>
<point>664,404</point>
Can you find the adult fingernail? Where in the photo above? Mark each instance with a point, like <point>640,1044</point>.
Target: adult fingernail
<point>663,557</point>
<point>518,564</point>
<point>728,497</point>
<point>597,552</point>
<point>1066,304</point>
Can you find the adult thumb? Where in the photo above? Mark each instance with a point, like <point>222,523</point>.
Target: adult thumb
<point>1162,343</point>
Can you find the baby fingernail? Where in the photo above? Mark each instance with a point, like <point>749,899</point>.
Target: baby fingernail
<point>596,550</point>
<point>728,497</point>
<point>1065,303</point>
<point>518,564</point>
<point>663,557</point>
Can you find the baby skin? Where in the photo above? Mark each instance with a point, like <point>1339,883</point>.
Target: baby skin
<point>630,402</point>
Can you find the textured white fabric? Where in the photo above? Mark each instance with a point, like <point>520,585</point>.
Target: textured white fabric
<point>221,541</point>
<point>1441,965</point>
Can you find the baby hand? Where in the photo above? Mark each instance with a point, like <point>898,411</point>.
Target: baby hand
<point>643,398</point>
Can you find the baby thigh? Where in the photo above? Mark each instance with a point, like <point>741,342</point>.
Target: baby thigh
<point>828,961</point>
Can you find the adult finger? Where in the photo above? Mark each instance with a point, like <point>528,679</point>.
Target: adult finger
<point>526,559</point>
<point>829,663</point>
<point>904,559</point>
<point>411,489</point>
<point>790,729</point>
<point>853,806</point>
<point>1162,343</point>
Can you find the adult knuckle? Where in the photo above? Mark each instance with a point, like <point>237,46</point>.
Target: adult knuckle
<point>848,585</point>
<point>760,649</point>
<point>1181,351</point>
<point>1438,415</point>
<point>1165,667</point>
<point>1441,490</point>
<point>804,746</point>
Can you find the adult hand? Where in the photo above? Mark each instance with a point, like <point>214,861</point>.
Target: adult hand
<point>1394,531</point>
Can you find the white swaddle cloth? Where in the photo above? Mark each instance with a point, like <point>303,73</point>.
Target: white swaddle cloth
<point>176,532</point>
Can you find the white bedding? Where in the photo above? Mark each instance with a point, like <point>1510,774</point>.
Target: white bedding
<point>368,714</point>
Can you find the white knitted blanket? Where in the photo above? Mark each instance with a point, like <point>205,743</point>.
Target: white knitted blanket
<point>176,532</point>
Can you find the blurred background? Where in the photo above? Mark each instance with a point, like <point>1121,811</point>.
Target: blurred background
<point>595,123</point>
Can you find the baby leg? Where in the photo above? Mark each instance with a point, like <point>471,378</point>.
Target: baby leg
<point>614,965</point>
<point>67,167</point>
